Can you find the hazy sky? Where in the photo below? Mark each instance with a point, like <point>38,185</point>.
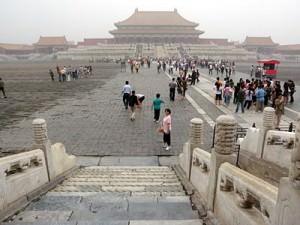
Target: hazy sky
<point>23,21</point>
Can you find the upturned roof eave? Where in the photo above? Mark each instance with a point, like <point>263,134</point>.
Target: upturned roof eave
<point>199,32</point>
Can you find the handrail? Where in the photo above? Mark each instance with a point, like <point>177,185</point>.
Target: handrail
<point>251,191</point>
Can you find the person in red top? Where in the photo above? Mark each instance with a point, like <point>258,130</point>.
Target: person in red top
<point>166,124</point>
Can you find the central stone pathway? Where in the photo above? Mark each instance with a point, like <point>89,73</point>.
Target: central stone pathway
<point>114,195</point>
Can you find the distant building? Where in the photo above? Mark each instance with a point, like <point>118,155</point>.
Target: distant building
<point>214,41</point>
<point>95,41</point>
<point>288,49</point>
<point>259,44</point>
<point>49,45</point>
<point>16,49</point>
<point>156,27</point>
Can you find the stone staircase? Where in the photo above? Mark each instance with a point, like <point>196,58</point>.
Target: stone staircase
<point>161,52</point>
<point>114,195</point>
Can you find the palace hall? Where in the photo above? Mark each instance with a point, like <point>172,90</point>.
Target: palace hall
<point>156,27</point>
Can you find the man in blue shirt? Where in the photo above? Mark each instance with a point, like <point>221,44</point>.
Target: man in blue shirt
<point>260,98</point>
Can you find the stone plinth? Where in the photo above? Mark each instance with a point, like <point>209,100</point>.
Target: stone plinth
<point>225,135</point>
<point>268,118</point>
<point>196,130</point>
<point>40,133</point>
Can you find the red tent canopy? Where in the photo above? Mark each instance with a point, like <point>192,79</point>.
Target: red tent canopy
<point>269,61</point>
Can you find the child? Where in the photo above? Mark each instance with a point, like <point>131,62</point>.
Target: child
<point>156,106</point>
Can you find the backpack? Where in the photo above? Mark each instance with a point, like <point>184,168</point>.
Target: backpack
<point>241,95</point>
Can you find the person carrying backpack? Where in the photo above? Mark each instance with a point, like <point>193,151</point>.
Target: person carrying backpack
<point>240,98</point>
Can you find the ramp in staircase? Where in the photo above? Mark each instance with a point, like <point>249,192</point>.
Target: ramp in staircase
<point>114,195</point>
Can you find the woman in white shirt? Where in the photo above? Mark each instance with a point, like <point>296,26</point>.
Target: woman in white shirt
<point>248,97</point>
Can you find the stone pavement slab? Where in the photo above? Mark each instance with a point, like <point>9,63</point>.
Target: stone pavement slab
<point>123,222</point>
<point>168,160</point>
<point>41,223</point>
<point>129,161</point>
<point>161,211</point>
<point>105,197</point>
<point>87,160</point>
<point>165,222</point>
<point>53,203</point>
<point>139,161</point>
<point>52,217</point>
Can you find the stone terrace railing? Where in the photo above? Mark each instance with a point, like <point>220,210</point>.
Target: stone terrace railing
<point>25,176</point>
<point>20,174</point>
<point>242,197</point>
<point>200,171</point>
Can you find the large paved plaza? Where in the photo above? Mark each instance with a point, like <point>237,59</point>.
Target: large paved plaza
<point>97,124</point>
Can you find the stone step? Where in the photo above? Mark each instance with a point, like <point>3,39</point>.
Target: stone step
<point>124,179</point>
<point>122,182</point>
<point>114,196</point>
<point>154,193</point>
<point>125,222</point>
<point>126,176</point>
<point>62,207</point>
<point>123,174</point>
<point>146,168</point>
<point>111,188</point>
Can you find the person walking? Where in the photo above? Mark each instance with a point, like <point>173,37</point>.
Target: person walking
<point>51,74</point>
<point>218,92</point>
<point>166,125</point>
<point>292,90</point>
<point>133,102</point>
<point>59,74</point>
<point>2,88</point>
<point>172,86</point>
<point>227,93</point>
<point>248,96</point>
<point>240,98</point>
<point>184,86</point>
<point>197,76</point>
<point>279,108</point>
<point>126,93</point>
<point>194,77</point>
<point>156,104</point>
<point>260,98</point>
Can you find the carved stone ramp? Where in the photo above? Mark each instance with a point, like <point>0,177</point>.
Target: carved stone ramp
<point>114,195</point>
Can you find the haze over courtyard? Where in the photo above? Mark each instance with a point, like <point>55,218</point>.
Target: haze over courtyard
<point>24,21</point>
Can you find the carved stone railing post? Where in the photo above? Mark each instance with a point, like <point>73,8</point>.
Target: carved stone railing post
<point>195,139</point>
<point>268,124</point>
<point>222,152</point>
<point>196,132</point>
<point>288,201</point>
<point>41,141</point>
<point>268,118</point>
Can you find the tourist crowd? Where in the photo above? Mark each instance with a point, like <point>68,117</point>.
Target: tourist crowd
<point>70,73</point>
